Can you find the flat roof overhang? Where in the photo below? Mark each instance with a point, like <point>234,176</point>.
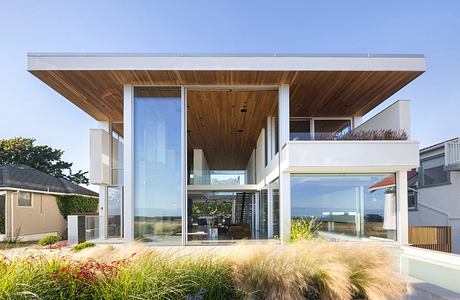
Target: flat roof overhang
<point>319,85</point>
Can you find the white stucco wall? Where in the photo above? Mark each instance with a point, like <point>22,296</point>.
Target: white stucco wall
<point>396,117</point>
<point>99,157</point>
<point>260,156</point>
<point>251,168</point>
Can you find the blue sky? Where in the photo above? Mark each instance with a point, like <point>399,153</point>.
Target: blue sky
<point>32,109</point>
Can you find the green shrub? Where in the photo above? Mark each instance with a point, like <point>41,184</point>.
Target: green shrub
<point>305,229</point>
<point>83,245</point>
<point>49,240</point>
<point>73,204</point>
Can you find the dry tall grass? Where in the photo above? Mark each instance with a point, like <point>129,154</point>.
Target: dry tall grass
<point>314,269</point>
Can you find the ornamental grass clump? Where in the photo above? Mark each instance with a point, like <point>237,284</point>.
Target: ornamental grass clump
<point>307,269</point>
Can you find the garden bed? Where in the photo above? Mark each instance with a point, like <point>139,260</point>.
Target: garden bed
<point>304,270</point>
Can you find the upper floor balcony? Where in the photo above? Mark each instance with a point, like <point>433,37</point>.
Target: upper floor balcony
<point>382,143</point>
<point>452,155</point>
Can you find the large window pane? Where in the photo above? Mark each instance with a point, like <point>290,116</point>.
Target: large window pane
<point>331,129</point>
<point>299,129</point>
<point>263,213</point>
<point>157,165</point>
<point>276,207</point>
<point>117,153</point>
<point>433,172</point>
<point>354,205</point>
<point>114,209</point>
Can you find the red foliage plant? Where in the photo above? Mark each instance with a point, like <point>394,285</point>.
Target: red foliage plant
<point>89,271</point>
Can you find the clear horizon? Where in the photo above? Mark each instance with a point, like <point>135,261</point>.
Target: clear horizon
<point>32,109</point>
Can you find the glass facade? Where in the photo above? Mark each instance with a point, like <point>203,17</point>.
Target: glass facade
<point>114,211</point>
<point>275,185</point>
<point>359,205</point>
<point>299,129</point>
<point>331,129</point>
<point>305,129</point>
<point>117,153</point>
<point>158,146</point>
<point>263,213</point>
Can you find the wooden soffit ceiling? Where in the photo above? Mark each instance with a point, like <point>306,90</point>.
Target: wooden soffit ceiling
<point>227,124</point>
<point>313,93</point>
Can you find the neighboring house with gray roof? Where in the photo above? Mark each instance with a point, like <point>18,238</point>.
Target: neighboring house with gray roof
<point>28,207</point>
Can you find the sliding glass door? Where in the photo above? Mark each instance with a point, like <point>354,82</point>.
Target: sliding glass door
<point>114,211</point>
<point>158,165</point>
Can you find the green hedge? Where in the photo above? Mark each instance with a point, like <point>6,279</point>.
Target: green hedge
<point>71,204</point>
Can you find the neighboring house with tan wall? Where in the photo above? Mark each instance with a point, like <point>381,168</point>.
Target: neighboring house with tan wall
<point>28,206</point>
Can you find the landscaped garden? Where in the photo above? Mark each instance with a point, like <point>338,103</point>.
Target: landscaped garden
<point>312,269</point>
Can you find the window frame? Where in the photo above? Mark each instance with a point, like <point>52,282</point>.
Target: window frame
<point>25,206</point>
<point>312,124</point>
<point>421,183</point>
<point>415,193</point>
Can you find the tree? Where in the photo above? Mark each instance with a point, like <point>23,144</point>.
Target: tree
<point>22,151</point>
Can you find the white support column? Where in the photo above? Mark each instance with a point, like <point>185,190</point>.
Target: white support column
<point>285,178</point>
<point>285,206</point>
<point>270,211</point>
<point>403,214</point>
<point>103,188</point>
<point>184,211</point>
<point>102,212</point>
<point>283,109</point>
<point>269,141</point>
<point>128,135</point>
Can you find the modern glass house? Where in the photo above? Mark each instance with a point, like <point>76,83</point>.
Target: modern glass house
<point>196,149</point>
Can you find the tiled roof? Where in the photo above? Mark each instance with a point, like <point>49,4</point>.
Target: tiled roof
<point>27,178</point>
<point>391,180</point>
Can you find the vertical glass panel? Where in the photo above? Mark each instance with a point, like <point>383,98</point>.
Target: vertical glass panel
<point>117,153</point>
<point>158,186</point>
<point>331,129</point>
<point>114,210</point>
<point>263,213</point>
<point>299,129</point>
<point>353,205</point>
<point>228,177</point>
<point>220,216</point>
<point>91,227</point>
<point>2,214</point>
<point>276,208</point>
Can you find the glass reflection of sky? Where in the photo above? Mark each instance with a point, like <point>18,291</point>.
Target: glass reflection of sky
<point>157,157</point>
<point>314,195</point>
